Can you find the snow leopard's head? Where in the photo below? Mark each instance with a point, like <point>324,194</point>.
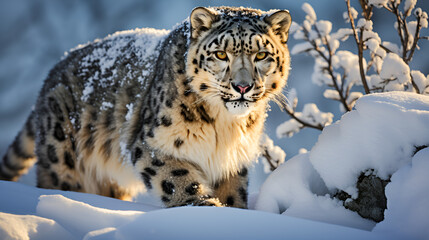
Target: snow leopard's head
<point>238,57</point>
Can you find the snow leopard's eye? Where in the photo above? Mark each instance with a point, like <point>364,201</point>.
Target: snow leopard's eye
<point>261,56</point>
<point>221,55</point>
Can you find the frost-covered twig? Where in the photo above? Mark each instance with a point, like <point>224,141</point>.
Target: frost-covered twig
<point>408,39</point>
<point>269,160</point>
<point>401,25</point>
<point>304,124</point>
<point>274,156</point>
<point>366,9</point>
<point>322,45</point>
<point>330,68</point>
<point>310,117</point>
<point>359,40</point>
<point>416,39</point>
<point>387,68</point>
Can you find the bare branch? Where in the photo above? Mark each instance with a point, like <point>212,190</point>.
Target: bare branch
<point>361,67</point>
<point>366,10</point>
<point>343,81</point>
<point>414,84</point>
<point>305,124</point>
<point>404,35</point>
<point>407,34</point>
<point>268,157</point>
<point>359,43</point>
<point>416,39</point>
<point>352,21</point>
<point>395,10</point>
<point>330,69</point>
<point>388,9</point>
<point>385,48</point>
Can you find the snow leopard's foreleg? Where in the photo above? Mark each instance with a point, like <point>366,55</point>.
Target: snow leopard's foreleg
<point>176,182</point>
<point>233,191</point>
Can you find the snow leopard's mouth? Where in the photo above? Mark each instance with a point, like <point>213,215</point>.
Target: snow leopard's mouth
<point>239,100</point>
<point>239,106</point>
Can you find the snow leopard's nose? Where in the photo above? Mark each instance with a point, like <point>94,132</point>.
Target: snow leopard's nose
<point>242,82</point>
<point>242,88</point>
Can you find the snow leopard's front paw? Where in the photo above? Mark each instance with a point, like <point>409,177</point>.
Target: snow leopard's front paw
<point>201,201</point>
<point>207,201</point>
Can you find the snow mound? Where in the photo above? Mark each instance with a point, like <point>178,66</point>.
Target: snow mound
<point>407,212</point>
<point>296,189</point>
<point>30,227</point>
<point>79,217</point>
<point>54,216</point>
<point>382,134</point>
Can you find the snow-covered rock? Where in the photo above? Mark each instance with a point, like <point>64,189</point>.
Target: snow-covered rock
<point>379,138</point>
<point>381,134</point>
<point>296,189</point>
<point>407,213</point>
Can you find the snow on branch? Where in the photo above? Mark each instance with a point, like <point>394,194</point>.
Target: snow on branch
<point>310,117</point>
<point>322,45</point>
<point>374,66</point>
<point>274,156</point>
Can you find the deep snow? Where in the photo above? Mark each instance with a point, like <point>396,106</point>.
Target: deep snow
<point>30,213</point>
<point>382,134</point>
<point>299,189</point>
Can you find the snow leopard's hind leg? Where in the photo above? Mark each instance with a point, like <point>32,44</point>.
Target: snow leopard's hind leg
<point>177,183</point>
<point>55,143</point>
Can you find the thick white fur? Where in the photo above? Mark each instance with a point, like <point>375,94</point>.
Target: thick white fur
<point>219,149</point>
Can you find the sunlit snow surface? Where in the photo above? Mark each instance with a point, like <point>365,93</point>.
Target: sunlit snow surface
<point>380,134</point>
<point>34,213</point>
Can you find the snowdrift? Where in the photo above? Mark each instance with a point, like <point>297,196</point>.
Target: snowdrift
<point>31,213</point>
<point>381,134</point>
<point>381,137</point>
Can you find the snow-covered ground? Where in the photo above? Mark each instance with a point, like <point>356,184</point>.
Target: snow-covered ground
<point>381,134</point>
<point>30,213</point>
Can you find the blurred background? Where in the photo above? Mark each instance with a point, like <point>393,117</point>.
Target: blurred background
<point>34,34</point>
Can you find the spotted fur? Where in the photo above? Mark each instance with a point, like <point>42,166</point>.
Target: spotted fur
<point>178,113</point>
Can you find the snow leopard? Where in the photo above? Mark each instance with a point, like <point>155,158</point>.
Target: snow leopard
<point>178,113</point>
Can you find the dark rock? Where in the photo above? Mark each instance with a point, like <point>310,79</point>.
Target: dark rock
<point>371,201</point>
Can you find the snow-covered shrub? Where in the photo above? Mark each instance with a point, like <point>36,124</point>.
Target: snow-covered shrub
<point>375,66</point>
<point>353,161</point>
<point>387,133</point>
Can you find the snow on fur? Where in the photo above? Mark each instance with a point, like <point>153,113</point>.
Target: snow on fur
<point>145,41</point>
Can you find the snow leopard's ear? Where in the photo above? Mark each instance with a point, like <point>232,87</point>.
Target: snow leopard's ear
<point>280,22</point>
<point>201,21</point>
